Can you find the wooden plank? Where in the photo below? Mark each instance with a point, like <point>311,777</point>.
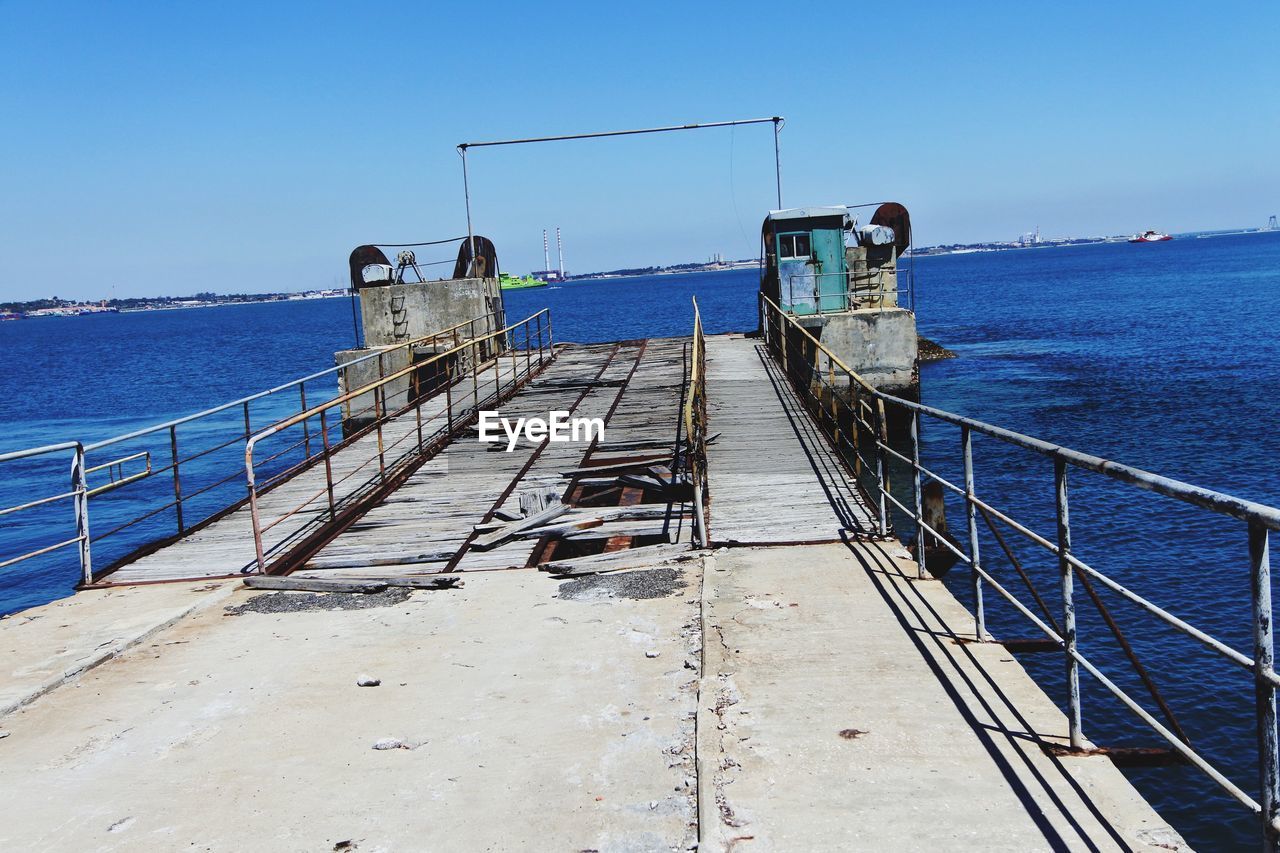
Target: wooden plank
<point>313,584</point>
<point>634,555</point>
<point>497,537</point>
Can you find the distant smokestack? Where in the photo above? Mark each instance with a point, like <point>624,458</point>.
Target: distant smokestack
<point>560,251</point>
<point>546,253</point>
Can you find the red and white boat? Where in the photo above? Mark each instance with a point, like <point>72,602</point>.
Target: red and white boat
<point>1149,237</point>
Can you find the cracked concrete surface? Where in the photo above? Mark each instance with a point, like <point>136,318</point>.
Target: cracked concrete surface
<point>782,698</point>
<point>535,723</point>
<point>839,713</point>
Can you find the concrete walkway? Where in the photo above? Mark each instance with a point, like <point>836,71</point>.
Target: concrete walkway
<point>533,714</point>
<point>45,647</point>
<point>842,711</point>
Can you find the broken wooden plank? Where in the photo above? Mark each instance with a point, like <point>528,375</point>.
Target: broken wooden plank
<point>534,501</point>
<point>355,562</point>
<point>560,529</point>
<point>642,481</point>
<point>313,584</point>
<point>497,537</point>
<point>507,515</point>
<point>614,468</point>
<point>635,444</point>
<point>424,582</point>
<point>601,531</point>
<point>649,552</point>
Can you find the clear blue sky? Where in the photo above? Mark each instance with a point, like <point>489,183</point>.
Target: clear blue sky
<point>177,147</point>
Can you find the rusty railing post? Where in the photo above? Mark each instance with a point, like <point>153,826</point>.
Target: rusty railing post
<point>379,410</point>
<point>306,428</point>
<point>1264,689</point>
<point>515,366</point>
<point>971,514</point>
<point>259,552</point>
<point>882,467</point>
<point>177,480</point>
<point>80,486</point>
<point>328,466</point>
<point>448,397</point>
<point>855,395</point>
<point>417,402</point>
<point>918,492</point>
<point>1068,603</point>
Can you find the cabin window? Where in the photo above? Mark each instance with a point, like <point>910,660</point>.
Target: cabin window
<point>793,246</point>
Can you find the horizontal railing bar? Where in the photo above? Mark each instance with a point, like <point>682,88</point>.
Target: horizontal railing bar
<point>37,553</point>
<point>1216,645</point>
<point>38,451</point>
<point>115,462</point>
<point>36,503</point>
<point>116,484</point>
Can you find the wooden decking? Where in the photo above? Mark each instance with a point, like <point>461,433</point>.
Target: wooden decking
<point>773,477</point>
<point>225,547</point>
<point>427,525</point>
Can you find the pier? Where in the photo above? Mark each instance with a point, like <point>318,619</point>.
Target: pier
<point>693,633</point>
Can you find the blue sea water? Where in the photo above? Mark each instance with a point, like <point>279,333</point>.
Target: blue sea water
<point>1163,356</point>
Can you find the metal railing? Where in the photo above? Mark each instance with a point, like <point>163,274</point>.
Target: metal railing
<point>857,291</point>
<point>170,441</point>
<point>78,495</point>
<point>694,417</point>
<point>853,415</point>
<point>528,346</point>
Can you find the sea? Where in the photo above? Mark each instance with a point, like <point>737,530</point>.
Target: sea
<point>1163,356</point>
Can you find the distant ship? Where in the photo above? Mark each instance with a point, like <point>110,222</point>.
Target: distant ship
<point>509,282</point>
<point>1149,237</point>
<point>9,315</point>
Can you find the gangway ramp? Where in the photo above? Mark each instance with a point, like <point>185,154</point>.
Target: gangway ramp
<point>774,477</point>
<point>225,546</point>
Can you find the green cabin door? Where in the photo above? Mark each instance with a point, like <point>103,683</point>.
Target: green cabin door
<point>796,284</point>
<point>828,263</point>
<point>811,275</point>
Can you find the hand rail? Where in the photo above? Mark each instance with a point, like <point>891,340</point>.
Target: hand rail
<point>79,496</point>
<point>531,327</point>
<point>793,346</point>
<point>173,469</point>
<point>695,423</point>
<point>859,297</point>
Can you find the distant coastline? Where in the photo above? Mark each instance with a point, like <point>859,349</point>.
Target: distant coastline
<point>1030,241</point>
<point>55,307</point>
